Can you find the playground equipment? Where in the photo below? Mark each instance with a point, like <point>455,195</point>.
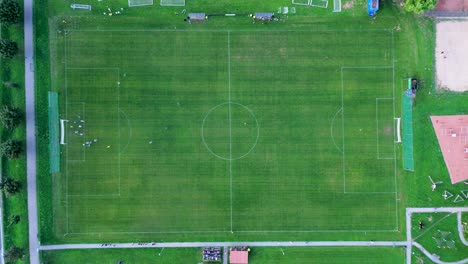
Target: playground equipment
<point>372,7</point>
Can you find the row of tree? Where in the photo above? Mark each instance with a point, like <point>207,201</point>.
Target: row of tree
<point>10,13</point>
<point>11,117</point>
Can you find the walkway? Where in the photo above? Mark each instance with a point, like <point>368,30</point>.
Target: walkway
<point>409,240</point>
<point>232,244</point>
<point>30,131</point>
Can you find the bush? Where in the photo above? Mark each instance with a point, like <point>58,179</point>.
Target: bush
<point>13,254</point>
<point>8,49</point>
<point>419,6</point>
<point>10,186</point>
<point>10,117</point>
<point>10,12</point>
<point>11,149</point>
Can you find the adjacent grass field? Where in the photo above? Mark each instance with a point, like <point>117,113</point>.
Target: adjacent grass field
<point>220,131</point>
<point>127,256</point>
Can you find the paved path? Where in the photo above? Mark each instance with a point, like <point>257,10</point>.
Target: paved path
<point>461,229</point>
<point>409,240</point>
<point>30,131</point>
<point>225,255</point>
<point>231,244</point>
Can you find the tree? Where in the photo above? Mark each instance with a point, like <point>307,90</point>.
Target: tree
<point>419,6</point>
<point>10,116</point>
<point>10,12</point>
<point>10,186</point>
<point>8,49</point>
<point>11,149</point>
<point>14,253</point>
<point>14,220</point>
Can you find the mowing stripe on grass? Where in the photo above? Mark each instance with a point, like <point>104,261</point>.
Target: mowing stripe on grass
<point>54,146</point>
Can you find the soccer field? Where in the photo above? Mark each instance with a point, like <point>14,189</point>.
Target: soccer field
<point>220,131</point>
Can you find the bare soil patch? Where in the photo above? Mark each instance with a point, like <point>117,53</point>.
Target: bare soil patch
<point>451,55</point>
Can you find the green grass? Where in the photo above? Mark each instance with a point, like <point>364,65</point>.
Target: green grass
<point>326,255</point>
<point>13,70</point>
<point>128,256</point>
<point>291,102</point>
<point>445,223</point>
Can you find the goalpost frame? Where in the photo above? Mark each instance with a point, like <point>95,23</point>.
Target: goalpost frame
<point>398,130</point>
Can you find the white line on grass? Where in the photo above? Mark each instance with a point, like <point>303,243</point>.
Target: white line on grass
<point>230,120</point>
<point>224,30</point>
<point>394,145</point>
<point>66,113</point>
<point>239,231</point>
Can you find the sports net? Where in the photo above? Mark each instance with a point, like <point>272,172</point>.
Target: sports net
<point>301,2</point>
<point>139,2</point>
<point>173,2</point>
<point>319,3</point>
<point>54,146</point>
<point>407,117</point>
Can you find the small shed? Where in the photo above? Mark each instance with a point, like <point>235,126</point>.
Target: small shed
<point>197,16</point>
<point>264,16</point>
<point>238,257</point>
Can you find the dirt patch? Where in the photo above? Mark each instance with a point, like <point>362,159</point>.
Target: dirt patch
<point>388,130</point>
<point>348,5</point>
<point>451,55</point>
<point>452,5</point>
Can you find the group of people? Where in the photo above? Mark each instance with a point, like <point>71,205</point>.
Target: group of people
<point>212,254</point>
<point>78,126</point>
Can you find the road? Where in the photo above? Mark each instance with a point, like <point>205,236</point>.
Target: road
<point>30,131</point>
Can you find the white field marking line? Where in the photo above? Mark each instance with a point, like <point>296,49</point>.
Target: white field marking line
<point>370,192</point>
<point>230,121</point>
<point>118,121</point>
<point>130,132</point>
<point>331,130</point>
<point>377,124</point>
<point>66,114</point>
<point>239,231</point>
<point>224,30</point>
<point>394,145</point>
<point>208,147</point>
<point>344,154</point>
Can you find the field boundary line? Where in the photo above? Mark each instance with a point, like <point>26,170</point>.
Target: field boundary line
<point>67,228</point>
<point>377,125</point>
<point>394,145</point>
<point>240,231</point>
<point>224,30</point>
<point>343,119</point>
<point>230,122</point>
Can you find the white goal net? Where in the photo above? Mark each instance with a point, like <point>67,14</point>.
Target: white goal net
<point>139,2</point>
<point>173,2</point>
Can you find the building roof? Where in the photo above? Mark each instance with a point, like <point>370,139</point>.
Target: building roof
<point>452,134</point>
<point>239,257</point>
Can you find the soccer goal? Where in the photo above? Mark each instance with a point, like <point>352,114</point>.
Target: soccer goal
<point>132,3</point>
<point>173,2</point>
<point>319,3</point>
<point>398,133</point>
<point>301,2</point>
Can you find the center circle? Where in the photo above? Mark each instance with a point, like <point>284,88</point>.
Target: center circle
<point>230,131</point>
